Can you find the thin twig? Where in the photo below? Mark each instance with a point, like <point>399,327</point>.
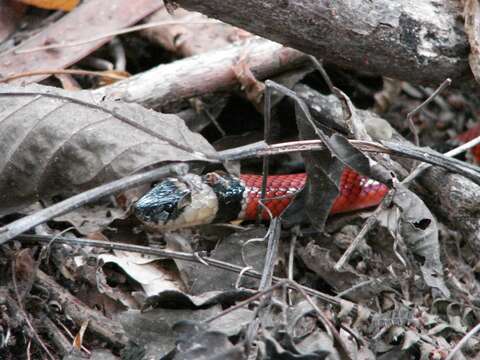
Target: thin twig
<point>454,152</point>
<point>326,322</point>
<point>26,223</point>
<point>273,237</point>
<point>104,74</point>
<point>372,220</point>
<point>25,315</point>
<point>415,111</point>
<point>111,34</point>
<point>463,342</point>
<point>267,101</point>
<point>426,155</point>
<point>246,302</point>
<point>318,65</point>
<point>367,226</point>
<point>291,255</point>
<point>174,255</point>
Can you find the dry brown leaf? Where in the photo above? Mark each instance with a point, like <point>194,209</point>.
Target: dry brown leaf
<point>84,23</point>
<point>411,221</point>
<point>51,146</point>
<point>107,77</point>
<point>65,5</point>
<point>78,340</point>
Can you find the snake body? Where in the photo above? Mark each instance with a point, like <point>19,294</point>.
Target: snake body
<point>218,197</point>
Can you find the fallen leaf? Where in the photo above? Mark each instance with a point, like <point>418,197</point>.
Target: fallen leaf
<point>153,278</point>
<point>414,223</point>
<point>65,5</point>
<point>59,146</point>
<point>78,340</point>
<point>86,21</point>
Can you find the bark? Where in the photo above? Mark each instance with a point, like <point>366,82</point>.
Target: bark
<point>203,74</point>
<point>100,325</point>
<point>418,41</point>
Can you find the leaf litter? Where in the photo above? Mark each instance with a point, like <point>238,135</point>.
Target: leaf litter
<point>408,288</point>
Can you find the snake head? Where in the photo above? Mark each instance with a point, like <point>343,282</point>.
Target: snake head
<point>177,202</point>
<point>163,203</point>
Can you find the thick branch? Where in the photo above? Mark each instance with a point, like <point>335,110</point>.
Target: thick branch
<point>418,41</point>
<point>203,74</point>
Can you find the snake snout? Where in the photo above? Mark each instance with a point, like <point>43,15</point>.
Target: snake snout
<point>164,203</point>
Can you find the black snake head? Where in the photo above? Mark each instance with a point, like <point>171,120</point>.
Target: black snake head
<point>164,203</point>
<point>177,202</point>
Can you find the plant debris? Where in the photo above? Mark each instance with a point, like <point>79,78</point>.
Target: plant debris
<point>96,109</point>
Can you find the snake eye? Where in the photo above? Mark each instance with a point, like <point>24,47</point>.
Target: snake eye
<point>165,202</point>
<point>185,200</point>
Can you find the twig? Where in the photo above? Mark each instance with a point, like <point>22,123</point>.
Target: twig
<point>371,221</point>
<point>267,104</point>
<point>463,342</point>
<point>172,83</point>
<point>415,111</point>
<point>403,150</point>
<point>246,302</point>
<point>25,315</point>
<point>19,226</point>
<point>430,156</point>
<point>291,254</point>
<point>458,150</point>
<point>318,65</point>
<point>173,255</point>
<point>72,337</point>
<point>104,74</point>
<point>111,34</point>
<point>367,226</point>
<point>326,322</point>
<point>99,324</point>
<point>57,337</point>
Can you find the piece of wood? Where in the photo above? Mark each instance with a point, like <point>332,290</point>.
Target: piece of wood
<point>203,74</point>
<point>100,325</point>
<point>418,41</point>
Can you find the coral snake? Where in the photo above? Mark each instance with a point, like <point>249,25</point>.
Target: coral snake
<point>218,197</point>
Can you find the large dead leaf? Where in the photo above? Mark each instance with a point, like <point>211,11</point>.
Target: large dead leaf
<point>56,146</point>
<point>411,220</point>
<point>85,22</point>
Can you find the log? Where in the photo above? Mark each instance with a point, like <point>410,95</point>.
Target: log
<point>418,41</point>
<point>203,74</point>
